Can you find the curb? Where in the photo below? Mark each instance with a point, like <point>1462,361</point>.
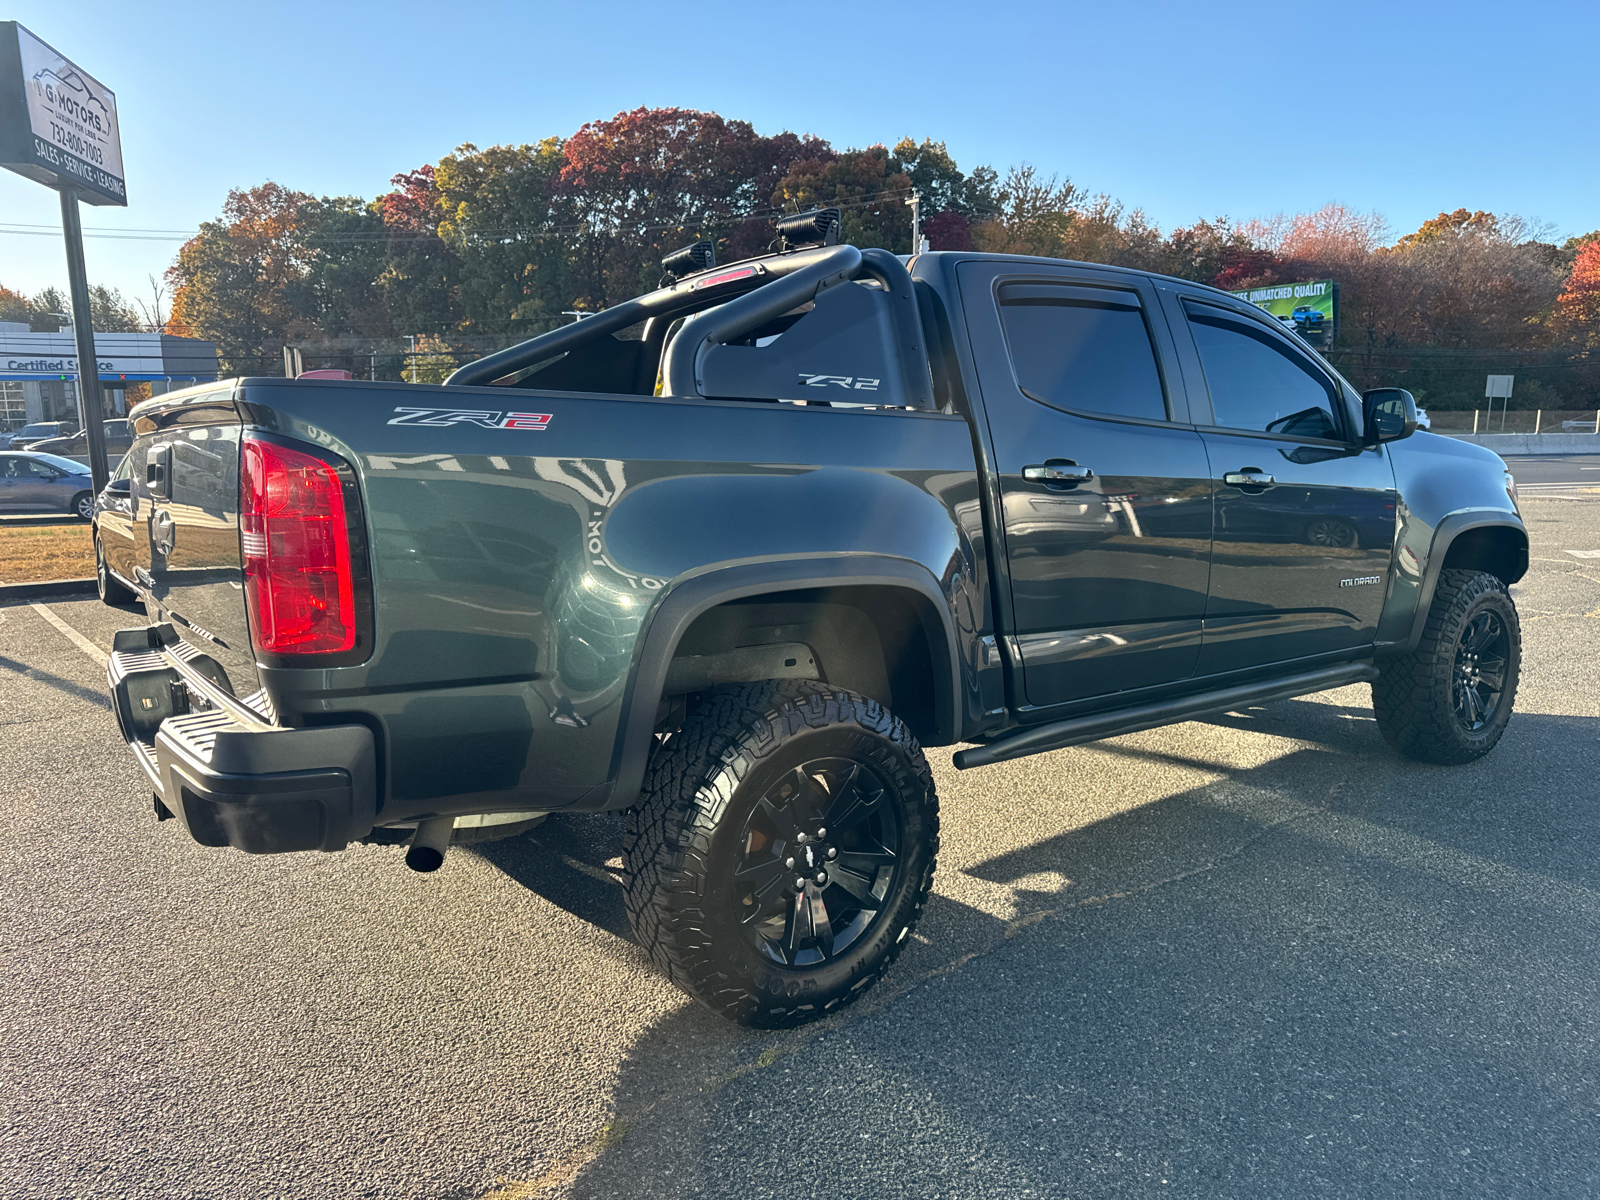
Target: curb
<point>47,587</point>
<point>32,521</point>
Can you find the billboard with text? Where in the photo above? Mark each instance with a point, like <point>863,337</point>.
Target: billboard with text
<point>1310,309</point>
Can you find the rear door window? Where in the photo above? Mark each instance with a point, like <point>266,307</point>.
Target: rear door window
<point>1258,382</point>
<point>1082,349</point>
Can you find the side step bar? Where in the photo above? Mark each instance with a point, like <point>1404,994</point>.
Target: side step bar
<point>1075,731</point>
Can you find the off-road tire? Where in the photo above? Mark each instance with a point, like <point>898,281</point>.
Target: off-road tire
<point>686,837</point>
<point>1414,696</point>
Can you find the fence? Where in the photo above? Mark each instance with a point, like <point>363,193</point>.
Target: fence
<point>1516,421</point>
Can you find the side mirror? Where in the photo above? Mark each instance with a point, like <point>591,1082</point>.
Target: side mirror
<point>119,487</point>
<point>1390,414</point>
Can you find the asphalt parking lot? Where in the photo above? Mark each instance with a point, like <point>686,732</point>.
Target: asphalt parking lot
<point>1253,956</point>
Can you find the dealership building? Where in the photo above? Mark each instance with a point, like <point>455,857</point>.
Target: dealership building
<point>38,370</point>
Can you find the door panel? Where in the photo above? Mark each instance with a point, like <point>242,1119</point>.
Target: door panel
<point>1300,567</point>
<point>1107,521</point>
<point>1305,517</point>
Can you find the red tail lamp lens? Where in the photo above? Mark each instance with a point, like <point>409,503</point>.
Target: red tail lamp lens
<point>296,550</point>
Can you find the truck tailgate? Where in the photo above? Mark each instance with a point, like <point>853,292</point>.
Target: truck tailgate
<point>185,546</point>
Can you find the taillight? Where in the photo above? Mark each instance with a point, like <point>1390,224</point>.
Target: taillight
<point>298,586</point>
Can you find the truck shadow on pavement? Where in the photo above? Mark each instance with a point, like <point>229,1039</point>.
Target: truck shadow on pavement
<point>77,691</point>
<point>1335,972</point>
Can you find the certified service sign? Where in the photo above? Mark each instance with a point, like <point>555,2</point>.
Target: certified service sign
<point>58,124</point>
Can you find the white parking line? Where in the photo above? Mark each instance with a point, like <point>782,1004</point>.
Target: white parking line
<point>72,635</point>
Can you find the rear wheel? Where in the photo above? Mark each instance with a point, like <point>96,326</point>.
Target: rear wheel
<point>83,505</point>
<point>1450,700</point>
<point>782,850</point>
<point>111,592</point>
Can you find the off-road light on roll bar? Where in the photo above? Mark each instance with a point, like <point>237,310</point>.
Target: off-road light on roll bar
<point>819,227</point>
<point>686,260</point>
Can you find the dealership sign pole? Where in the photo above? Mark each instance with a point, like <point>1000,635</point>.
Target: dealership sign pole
<point>58,126</point>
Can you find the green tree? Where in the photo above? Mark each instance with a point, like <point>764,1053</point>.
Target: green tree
<point>868,185</point>
<point>46,303</point>
<point>343,249</point>
<point>498,214</point>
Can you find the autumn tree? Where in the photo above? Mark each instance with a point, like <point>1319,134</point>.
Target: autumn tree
<point>421,274</point>
<point>646,182</point>
<point>13,305</point>
<point>231,280</point>
<point>1577,315</point>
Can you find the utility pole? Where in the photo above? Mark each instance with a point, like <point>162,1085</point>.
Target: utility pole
<point>83,333</point>
<point>916,222</point>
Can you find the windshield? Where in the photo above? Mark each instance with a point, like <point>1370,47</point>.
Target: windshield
<point>36,430</point>
<point>63,464</point>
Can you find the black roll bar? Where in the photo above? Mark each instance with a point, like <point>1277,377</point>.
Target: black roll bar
<point>681,376</point>
<point>777,284</point>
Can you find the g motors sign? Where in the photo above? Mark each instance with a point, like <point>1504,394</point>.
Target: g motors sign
<point>58,124</point>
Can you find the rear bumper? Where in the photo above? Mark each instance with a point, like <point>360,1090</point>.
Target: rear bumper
<point>231,778</point>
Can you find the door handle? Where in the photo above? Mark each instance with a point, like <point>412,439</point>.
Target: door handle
<point>1249,477</point>
<point>1058,471</point>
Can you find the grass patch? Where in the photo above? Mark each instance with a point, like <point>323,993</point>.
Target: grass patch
<point>29,553</point>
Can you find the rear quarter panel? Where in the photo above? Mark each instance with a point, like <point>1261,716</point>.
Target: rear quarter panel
<point>514,569</point>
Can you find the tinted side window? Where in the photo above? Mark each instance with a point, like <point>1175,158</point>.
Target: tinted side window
<point>1257,383</point>
<point>1077,352</point>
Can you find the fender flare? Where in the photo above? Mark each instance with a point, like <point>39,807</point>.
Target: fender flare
<point>1444,534</point>
<point>678,608</point>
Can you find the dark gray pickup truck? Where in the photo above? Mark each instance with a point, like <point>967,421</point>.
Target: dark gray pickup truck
<point>730,555</point>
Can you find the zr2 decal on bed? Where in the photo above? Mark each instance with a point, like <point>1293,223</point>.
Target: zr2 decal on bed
<point>471,416</point>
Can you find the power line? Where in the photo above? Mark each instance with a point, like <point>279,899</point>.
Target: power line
<point>386,235</point>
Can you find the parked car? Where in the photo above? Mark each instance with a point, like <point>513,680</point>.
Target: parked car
<point>38,431</point>
<point>732,575</point>
<point>39,483</point>
<point>76,445</point>
<point>1423,420</point>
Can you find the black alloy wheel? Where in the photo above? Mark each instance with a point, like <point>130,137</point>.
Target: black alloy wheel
<point>821,858</point>
<point>1482,653</point>
<point>1450,699</point>
<point>782,849</point>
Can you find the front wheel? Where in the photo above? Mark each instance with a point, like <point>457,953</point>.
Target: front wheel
<point>782,850</point>
<point>1450,700</point>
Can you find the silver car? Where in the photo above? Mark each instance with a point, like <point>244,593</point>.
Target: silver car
<point>44,483</point>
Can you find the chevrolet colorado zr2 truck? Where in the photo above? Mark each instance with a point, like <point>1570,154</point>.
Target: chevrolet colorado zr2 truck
<point>731,555</point>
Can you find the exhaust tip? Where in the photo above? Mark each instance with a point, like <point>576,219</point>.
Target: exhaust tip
<point>424,859</point>
<point>428,844</point>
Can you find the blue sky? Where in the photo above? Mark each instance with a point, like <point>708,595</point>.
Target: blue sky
<point>1187,110</point>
